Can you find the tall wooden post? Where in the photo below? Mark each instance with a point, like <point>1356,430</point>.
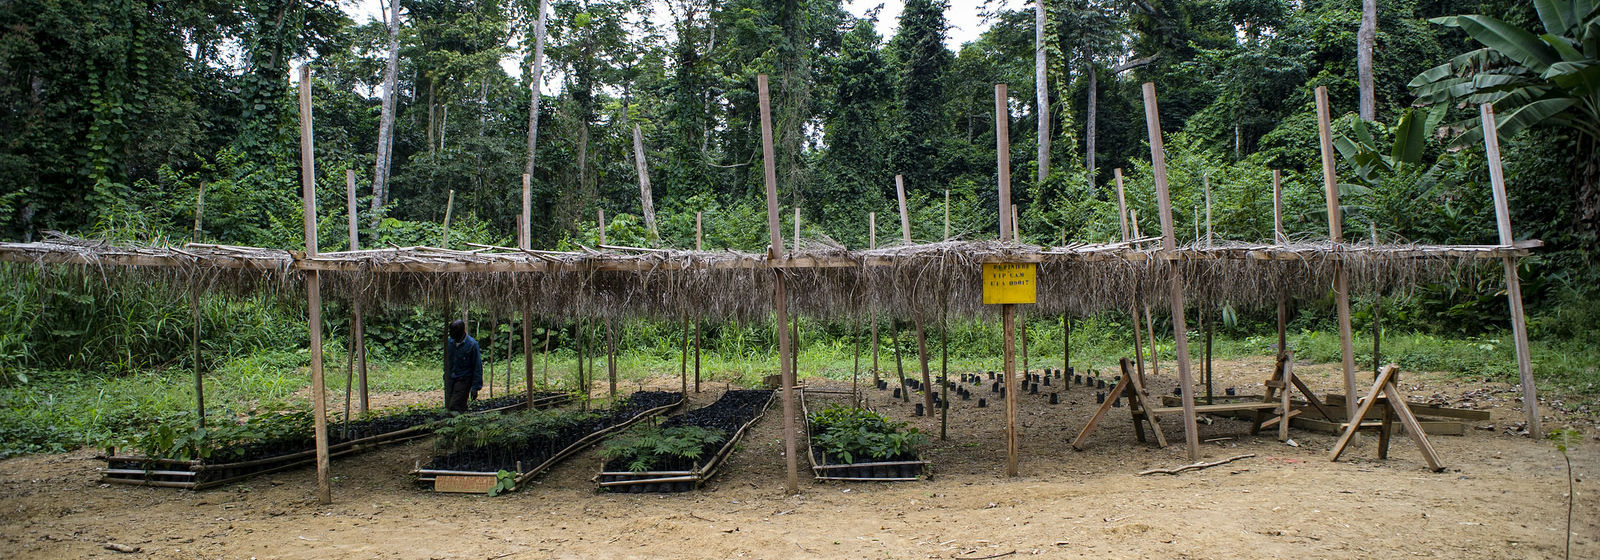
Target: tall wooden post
<point>780,299</point>
<point>1341,282</point>
<point>1519,321</point>
<point>1008,312</point>
<point>600,220</point>
<point>872,314</point>
<point>357,324</point>
<point>1002,154</point>
<point>194,314</point>
<point>1180,331</point>
<point>947,214</point>
<point>916,317</point>
<point>525,241</point>
<point>1280,238</point>
<point>1122,217</point>
<point>699,239</point>
<point>449,206</point>
<point>308,199</point>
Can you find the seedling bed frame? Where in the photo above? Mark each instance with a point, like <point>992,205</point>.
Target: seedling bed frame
<point>196,474</point>
<point>880,471</point>
<point>476,482</point>
<point>684,481</point>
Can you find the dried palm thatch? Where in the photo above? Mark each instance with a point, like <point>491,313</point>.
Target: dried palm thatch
<point>825,281</point>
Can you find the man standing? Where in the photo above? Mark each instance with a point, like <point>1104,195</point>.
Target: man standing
<point>463,368</point>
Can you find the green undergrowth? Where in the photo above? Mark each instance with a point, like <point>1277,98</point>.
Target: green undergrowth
<point>57,410</point>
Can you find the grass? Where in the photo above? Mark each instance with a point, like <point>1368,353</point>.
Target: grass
<point>60,410</point>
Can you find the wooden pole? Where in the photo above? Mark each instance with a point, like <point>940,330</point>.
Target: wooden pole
<point>916,318</point>
<point>308,199</point>
<point>194,315</point>
<point>449,206</point>
<point>600,219</point>
<point>1519,321</point>
<point>947,214</point>
<point>645,196</point>
<point>1341,283</point>
<point>699,239</point>
<point>611,357</point>
<point>1002,138</point>
<point>1277,208</point>
<point>780,303</point>
<point>872,243</point>
<point>525,241</point>
<point>683,360</point>
<point>944,354</point>
<point>1180,335</point>
<point>1122,217</point>
<point>899,365</point>
<point>358,337</point>
<point>1008,312</point>
<point>1377,320</point>
<point>794,323</point>
<point>1149,321</point>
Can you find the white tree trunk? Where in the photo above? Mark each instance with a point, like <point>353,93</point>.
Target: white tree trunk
<point>645,197</point>
<point>536,75</point>
<point>1091,112</point>
<point>380,175</point>
<point>1041,89</point>
<point>1365,37</point>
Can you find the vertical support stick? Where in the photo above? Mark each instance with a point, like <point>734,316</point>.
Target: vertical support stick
<point>1341,281</point>
<point>905,219</point>
<point>872,243</point>
<point>449,206</point>
<point>1277,208</point>
<point>1180,335</point>
<point>1122,203</point>
<point>699,233</point>
<point>1008,327</point>
<point>947,214</point>
<point>526,242</point>
<point>358,334</point>
<point>308,199</point>
<point>1002,154</point>
<point>780,299</point>
<point>1519,321</point>
<point>194,343</point>
<point>600,220</point>
<point>683,361</point>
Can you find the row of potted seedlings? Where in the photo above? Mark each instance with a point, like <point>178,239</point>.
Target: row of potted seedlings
<point>684,451</point>
<point>496,453</point>
<point>179,455</point>
<point>851,443</point>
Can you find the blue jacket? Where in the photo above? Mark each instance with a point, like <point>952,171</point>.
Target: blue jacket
<point>462,361</point>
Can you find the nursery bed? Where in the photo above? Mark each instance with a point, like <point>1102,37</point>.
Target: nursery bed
<point>686,480</point>
<point>472,481</point>
<point>880,471</point>
<point>197,474</point>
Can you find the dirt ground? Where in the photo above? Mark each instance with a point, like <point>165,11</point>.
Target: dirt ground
<point>1502,496</point>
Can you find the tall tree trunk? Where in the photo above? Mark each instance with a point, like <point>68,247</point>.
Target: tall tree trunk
<point>1365,37</point>
<point>431,120</point>
<point>380,175</point>
<point>1091,111</point>
<point>536,76</point>
<point>1041,92</point>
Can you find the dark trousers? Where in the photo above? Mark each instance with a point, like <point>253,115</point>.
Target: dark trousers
<point>457,394</point>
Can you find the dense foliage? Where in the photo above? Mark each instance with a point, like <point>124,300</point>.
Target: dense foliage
<point>848,435</point>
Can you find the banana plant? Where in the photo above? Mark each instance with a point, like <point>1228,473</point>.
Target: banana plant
<point>1531,79</point>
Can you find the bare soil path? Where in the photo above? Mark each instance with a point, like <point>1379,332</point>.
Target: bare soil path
<point>1503,496</point>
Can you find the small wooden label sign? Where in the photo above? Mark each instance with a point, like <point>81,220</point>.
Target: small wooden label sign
<point>1010,283</point>
<point>467,484</point>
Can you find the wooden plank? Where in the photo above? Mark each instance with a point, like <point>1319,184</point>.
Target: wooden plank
<point>1140,399</point>
<point>1094,420</point>
<point>779,299</point>
<point>463,484</point>
<point>1413,427</point>
<point>1180,333</point>
<point>1341,283</point>
<point>1519,321</point>
<point>1424,409</point>
<point>1438,428</point>
<point>1360,411</point>
<point>308,200</point>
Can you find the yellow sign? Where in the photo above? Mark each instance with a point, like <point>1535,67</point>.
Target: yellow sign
<point>1010,283</point>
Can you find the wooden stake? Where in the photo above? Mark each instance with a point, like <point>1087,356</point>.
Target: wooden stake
<point>1008,314</point>
<point>1277,208</point>
<point>1122,217</point>
<point>872,243</point>
<point>645,197</point>
<point>683,361</point>
<point>1002,138</point>
<point>194,315</point>
<point>526,242</point>
<point>449,206</point>
<point>1122,203</point>
<point>916,318</point>
<point>600,219</point>
<point>358,345</point>
<point>1341,283</point>
<point>905,219</point>
<point>947,214</point>
<point>780,300</point>
<point>1519,321</point>
<point>308,199</point>
<point>611,357</point>
<point>1180,335</point>
<point>699,234</point>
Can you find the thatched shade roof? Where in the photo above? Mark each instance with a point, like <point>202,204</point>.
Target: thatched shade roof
<point>896,281</point>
